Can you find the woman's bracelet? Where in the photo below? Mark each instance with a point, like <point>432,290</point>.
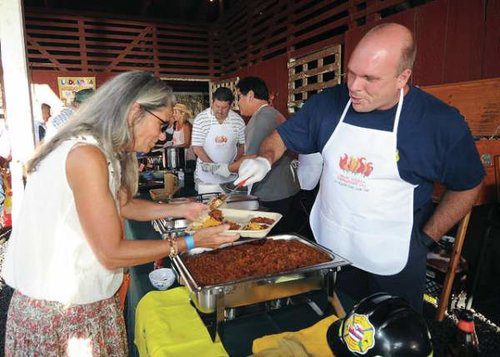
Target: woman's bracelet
<point>173,247</point>
<point>189,240</point>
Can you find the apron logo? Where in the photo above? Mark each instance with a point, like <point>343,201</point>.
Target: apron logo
<point>355,165</point>
<point>358,333</point>
<point>221,139</point>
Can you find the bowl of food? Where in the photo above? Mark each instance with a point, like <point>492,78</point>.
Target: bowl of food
<point>162,278</point>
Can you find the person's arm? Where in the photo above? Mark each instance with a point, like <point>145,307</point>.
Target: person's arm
<point>202,155</point>
<point>240,150</point>
<point>461,172</point>
<point>87,173</point>
<point>453,207</point>
<point>143,210</point>
<point>254,170</point>
<point>198,136</point>
<point>272,148</point>
<point>187,135</point>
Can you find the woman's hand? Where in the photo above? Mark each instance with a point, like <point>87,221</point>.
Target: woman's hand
<point>214,236</point>
<point>191,211</point>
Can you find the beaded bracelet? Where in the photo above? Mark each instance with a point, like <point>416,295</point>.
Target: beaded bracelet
<point>173,247</point>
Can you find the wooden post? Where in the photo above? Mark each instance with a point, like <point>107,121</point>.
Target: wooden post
<point>452,267</point>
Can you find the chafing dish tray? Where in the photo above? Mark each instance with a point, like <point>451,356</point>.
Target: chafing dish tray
<point>251,290</point>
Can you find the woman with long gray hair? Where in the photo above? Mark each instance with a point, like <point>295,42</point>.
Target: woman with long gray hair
<point>66,251</point>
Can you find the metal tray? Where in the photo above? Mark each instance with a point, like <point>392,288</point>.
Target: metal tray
<point>208,299</point>
<point>243,202</point>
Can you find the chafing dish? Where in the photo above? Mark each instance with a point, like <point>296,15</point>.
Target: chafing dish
<point>170,224</point>
<point>216,298</point>
<point>243,202</point>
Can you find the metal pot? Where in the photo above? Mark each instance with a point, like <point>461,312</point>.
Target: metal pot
<point>173,158</point>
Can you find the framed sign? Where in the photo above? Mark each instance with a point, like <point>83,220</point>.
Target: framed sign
<point>68,86</point>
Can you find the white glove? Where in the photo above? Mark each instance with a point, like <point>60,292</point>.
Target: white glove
<point>253,170</point>
<point>222,170</point>
<point>209,167</point>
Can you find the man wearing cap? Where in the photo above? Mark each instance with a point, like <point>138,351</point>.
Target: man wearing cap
<point>59,120</point>
<point>218,137</point>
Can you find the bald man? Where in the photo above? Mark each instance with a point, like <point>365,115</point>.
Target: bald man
<point>384,142</point>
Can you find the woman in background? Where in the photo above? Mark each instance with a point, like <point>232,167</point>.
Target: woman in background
<point>66,253</point>
<point>182,133</point>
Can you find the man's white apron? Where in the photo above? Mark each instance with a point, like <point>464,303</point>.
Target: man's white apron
<point>364,210</point>
<point>220,146</point>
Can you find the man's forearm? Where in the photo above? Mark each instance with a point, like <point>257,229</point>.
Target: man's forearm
<point>453,206</point>
<point>240,151</point>
<point>202,155</point>
<point>272,148</point>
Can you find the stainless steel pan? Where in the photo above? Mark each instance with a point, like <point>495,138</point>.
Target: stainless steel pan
<point>208,299</point>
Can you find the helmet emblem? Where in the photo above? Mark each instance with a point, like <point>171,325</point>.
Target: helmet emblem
<point>358,333</point>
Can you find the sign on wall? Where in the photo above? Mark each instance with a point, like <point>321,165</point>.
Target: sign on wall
<point>68,86</point>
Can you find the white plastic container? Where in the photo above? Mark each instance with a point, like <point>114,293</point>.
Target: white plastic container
<point>162,278</point>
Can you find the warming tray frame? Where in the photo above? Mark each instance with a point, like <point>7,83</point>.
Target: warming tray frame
<point>216,298</point>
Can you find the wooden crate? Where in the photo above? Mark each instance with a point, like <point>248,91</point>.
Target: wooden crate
<point>479,102</point>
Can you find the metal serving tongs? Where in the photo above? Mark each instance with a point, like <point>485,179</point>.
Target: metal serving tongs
<point>238,186</point>
<point>217,201</point>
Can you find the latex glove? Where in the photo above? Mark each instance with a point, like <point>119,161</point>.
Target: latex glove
<point>209,167</point>
<point>223,170</point>
<point>253,170</point>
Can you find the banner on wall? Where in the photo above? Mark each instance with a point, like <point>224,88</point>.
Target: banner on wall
<point>68,86</point>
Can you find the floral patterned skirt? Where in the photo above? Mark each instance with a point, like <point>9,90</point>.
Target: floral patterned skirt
<point>47,328</point>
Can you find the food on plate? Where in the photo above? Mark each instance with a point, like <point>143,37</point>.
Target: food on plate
<point>253,259</point>
<point>217,215</point>
<point>253,226</point>
<point>264,220</point>
<point>209,222</point>
<point>216,202</point>
<point>233,226</point>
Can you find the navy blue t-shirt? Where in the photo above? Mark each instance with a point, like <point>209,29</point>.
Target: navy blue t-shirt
<point>433,139</point>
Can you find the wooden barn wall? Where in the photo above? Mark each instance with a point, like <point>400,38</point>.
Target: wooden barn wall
<point>457,40</point>
<point>276,78</point>
<point>69,45</point>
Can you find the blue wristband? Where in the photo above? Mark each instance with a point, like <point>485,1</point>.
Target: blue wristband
<point>189,240</point>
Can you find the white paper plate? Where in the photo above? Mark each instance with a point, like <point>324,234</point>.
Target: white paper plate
<point>242,217</point>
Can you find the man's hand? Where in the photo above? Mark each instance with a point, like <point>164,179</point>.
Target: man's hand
<point>253,170</point>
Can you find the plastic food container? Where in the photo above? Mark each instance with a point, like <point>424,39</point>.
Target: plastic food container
<point>162,278</point>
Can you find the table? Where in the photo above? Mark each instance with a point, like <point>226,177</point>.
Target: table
<point>238,334</point>
<point>139,279</point>
<point>160,330</point>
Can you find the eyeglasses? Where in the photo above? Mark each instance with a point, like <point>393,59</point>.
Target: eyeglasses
<point>163,122</point>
